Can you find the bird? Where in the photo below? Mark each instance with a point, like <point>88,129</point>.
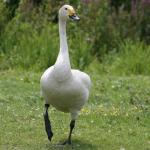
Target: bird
<point>64,88</point>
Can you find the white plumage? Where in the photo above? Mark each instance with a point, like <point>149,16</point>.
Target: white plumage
<point>62,87</point>
<point>68,95</point>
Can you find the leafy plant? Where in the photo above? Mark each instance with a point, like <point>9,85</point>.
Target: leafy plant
<point>134,58</point>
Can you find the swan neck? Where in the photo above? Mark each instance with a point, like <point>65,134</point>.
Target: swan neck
<point>62,65</point>
<point>62,35</point>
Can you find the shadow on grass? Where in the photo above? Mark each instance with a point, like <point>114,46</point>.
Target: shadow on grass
<point>76,145</point>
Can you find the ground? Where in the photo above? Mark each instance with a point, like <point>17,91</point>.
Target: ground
<point>117,116</point>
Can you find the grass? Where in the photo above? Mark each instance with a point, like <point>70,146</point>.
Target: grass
<point>115,118</point>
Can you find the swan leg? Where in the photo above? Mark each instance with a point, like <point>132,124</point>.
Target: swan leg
<point>72,125</point>
<point>47,123</point>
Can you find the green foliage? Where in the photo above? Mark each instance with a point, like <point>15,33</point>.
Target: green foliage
<point>38,50</point>
<point>143,23</point>
<point>132,58</point>
<point>29,35</point>
<point>80,49</point>
<point>94,24</point>
<point>3,18</point>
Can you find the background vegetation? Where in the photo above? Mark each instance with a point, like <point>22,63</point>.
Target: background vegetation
<point>110,32</point>
<point>111,43</point>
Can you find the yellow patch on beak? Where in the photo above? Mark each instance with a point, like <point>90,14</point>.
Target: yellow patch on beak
<point>71,11</point>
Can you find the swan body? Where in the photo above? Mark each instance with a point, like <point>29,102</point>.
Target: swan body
<point>68,95</point>
<point>62,87</point>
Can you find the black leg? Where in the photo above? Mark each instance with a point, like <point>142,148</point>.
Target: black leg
<point>47,123</point>
<point>72,125</point>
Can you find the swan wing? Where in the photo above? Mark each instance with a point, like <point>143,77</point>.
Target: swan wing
<point>85,78</point>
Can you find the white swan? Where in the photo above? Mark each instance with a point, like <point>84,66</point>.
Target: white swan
<point>62,87</point>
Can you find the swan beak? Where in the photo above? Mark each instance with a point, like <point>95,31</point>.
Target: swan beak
<point>74,17</point>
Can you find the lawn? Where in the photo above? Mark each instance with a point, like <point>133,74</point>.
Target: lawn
<point>117,116</point>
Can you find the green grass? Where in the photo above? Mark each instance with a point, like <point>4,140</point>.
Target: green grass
<point>116,116</point>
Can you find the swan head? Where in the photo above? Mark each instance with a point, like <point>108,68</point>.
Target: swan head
<point>67,11</point>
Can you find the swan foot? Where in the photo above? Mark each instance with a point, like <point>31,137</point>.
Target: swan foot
<point>50,135</point>
<point>68,141</point>
<point>47,123</point>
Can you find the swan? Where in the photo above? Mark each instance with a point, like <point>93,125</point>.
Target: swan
<point>64,88</point>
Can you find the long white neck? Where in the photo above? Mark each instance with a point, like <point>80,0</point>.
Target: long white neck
<point>62,64</point>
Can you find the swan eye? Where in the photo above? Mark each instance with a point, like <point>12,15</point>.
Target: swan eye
<point>66,8</point>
